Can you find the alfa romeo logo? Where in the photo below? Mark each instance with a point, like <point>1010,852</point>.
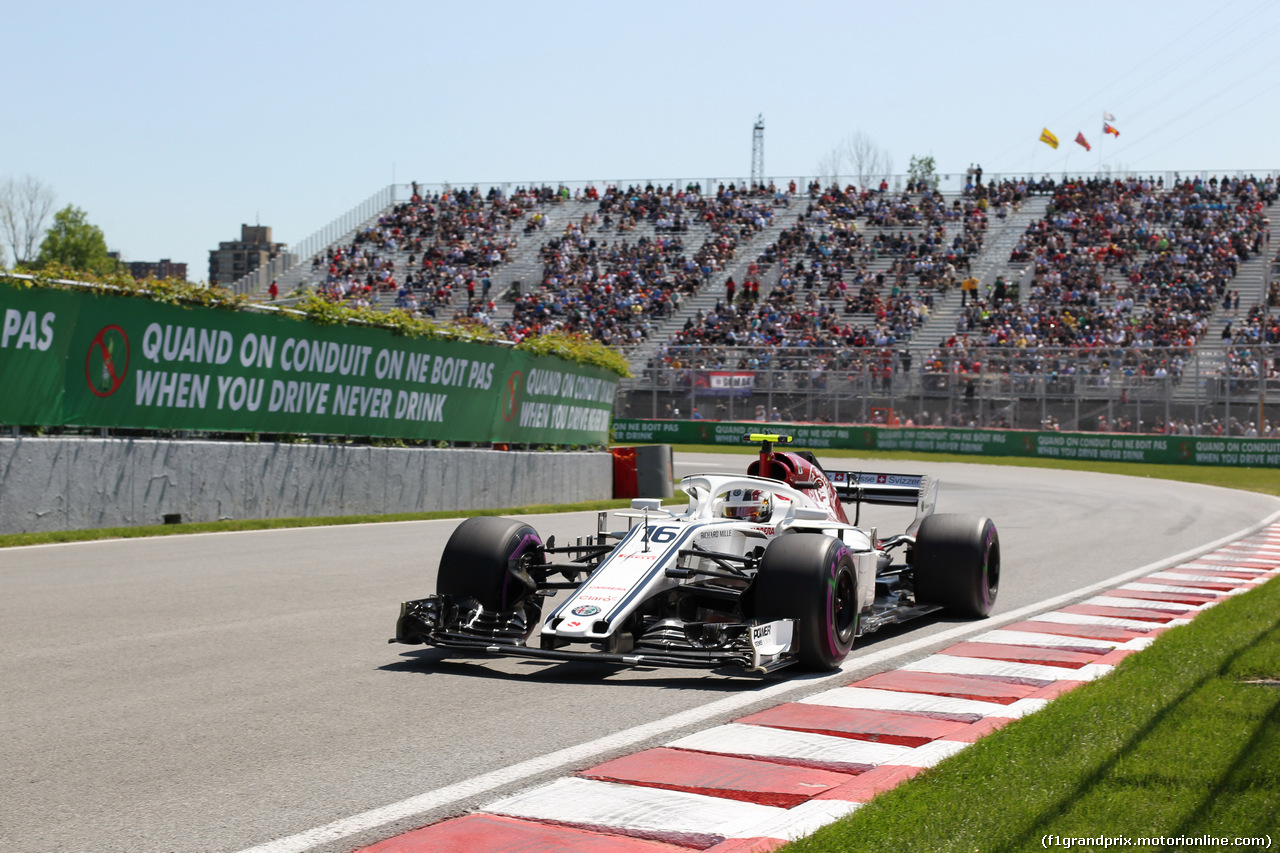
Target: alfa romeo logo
<point>107,362</point>
<point>585,610</point>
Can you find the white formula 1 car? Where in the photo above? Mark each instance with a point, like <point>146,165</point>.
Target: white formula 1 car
<point>757,573</point>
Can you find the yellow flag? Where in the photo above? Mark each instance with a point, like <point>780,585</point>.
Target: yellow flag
<point>1048,138</point>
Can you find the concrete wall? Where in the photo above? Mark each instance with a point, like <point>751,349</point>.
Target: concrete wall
<point>82,483</point>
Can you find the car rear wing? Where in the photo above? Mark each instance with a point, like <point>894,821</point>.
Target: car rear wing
<point>859,487</point>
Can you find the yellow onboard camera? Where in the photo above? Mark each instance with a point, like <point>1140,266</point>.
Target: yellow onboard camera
<point>769,437</point>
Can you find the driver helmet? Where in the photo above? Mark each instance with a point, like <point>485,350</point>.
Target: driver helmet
<point>748,504</point>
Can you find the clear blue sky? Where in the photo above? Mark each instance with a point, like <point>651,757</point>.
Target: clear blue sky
<point>170,124</point>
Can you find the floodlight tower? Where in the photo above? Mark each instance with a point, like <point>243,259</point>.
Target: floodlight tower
<point>757,152</point>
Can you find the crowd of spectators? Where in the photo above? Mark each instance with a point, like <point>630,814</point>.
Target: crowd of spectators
<point>1231,427</point>
<point>1260,324</point>
<point>609,290</point>
<point>614,290</point>
<point>858,269</point>
<point>430,254</point>
<point>1055,371</point>
<point>729,211</point>
<point>1126,266</point>
<point>1126,274</point>
<point>1251,339</point>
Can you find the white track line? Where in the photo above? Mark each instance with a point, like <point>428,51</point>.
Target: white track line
<point>588,752</point>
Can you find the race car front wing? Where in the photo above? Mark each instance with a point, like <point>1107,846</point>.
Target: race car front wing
<point>453,622</point>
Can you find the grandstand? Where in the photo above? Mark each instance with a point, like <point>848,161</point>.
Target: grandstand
<point>1085,295</point>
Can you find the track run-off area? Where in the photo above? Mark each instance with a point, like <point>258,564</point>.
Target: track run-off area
<point>235,692</point>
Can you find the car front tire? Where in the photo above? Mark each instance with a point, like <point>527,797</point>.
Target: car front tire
<point>479,558</point>
<point>812,578</point>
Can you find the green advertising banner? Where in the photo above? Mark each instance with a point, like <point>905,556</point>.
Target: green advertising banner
<point>88,359</point>
<point>1114,447</point>
<point>35,332</point>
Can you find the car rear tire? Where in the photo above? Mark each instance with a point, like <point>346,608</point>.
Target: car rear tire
<point>812,578</point>
<point>485,559</point>
<point>957,564</point>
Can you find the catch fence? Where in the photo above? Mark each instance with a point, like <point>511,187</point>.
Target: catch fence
<point>1227,390</point>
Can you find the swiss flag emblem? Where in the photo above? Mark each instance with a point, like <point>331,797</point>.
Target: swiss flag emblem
<point>881,479</point>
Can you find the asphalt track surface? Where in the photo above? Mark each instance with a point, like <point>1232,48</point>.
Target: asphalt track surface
<point>223,692</point>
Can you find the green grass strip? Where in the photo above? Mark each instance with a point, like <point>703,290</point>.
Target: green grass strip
<point>1182,740</point>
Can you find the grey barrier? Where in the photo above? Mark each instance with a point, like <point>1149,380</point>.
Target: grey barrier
<point>83,483</point>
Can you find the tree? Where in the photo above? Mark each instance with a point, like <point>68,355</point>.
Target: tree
<point>73,241</point>
<point>871,163</point>
<point>860,157</point>
<point>923,170</point>
<point>24,207</point>
<point>829,167</point>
